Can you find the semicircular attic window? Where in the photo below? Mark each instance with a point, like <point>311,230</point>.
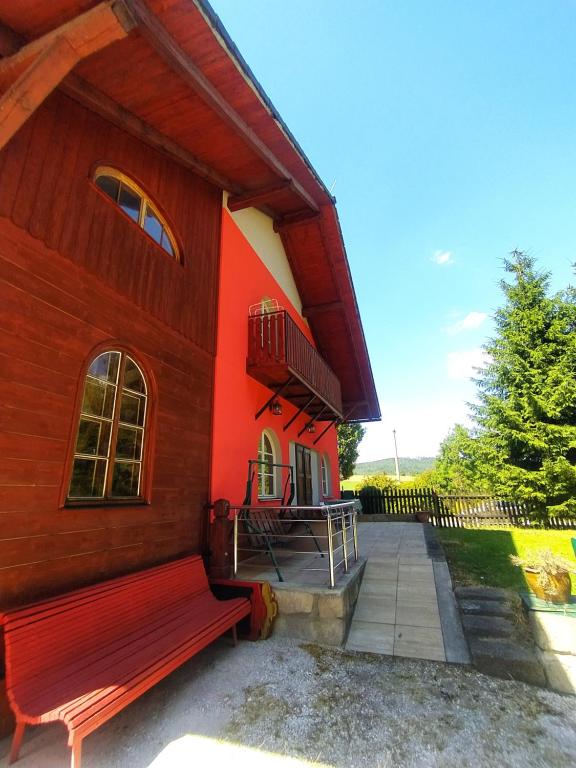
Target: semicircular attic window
<point>136,204</point>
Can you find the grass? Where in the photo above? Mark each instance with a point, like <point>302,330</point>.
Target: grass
<point>481,556</point>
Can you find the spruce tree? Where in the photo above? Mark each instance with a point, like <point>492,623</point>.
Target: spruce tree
<point>526,415</point>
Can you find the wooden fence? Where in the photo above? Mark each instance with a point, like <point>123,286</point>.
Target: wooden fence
<point>451,511</point>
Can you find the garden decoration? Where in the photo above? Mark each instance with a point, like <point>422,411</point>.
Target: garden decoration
<point>547,574</point>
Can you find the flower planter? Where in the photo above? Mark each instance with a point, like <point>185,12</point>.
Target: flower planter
<point>557,590</point>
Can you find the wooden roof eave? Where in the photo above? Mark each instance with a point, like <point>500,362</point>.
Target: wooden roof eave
<point>287,162</point>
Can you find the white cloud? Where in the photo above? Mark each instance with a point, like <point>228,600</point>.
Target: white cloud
<point>462,364</point>
<point>443,258</point>
<point>469,322</point>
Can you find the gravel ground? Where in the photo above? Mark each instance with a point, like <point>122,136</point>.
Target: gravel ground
<point>263,703</point>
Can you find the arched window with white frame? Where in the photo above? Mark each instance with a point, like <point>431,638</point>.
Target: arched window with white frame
<point>268,456</point>
<point>108,461</point>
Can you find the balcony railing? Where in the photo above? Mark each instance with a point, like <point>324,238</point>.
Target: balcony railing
<point>277,348</point>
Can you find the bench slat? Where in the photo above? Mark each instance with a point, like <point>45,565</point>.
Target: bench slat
<point>82,657</point>
<point>98,670</point>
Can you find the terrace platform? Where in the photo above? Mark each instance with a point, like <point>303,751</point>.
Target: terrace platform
<point>308,609</point>
<point>396,600</point>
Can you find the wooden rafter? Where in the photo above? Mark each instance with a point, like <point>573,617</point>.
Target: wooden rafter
<point>103,105</point>
<point>293,219</point>
<point>318,309</point>
<point>259,197</point>
<point>157,35</point>
<point>33,86</point>
<point>30,74</point>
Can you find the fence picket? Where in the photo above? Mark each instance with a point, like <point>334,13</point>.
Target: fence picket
<point>454,511</point>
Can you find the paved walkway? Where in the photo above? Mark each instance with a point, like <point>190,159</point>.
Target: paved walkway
<point>406,606</point>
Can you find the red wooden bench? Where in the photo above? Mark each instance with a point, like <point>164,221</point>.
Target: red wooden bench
<point>83,656</point>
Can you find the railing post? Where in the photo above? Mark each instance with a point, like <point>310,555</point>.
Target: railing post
<point>355,533</point>
<point>330,550</point>
<point>235,543</point>
<point>344,546</point>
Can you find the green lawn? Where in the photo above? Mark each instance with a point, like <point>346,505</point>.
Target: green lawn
<point>480,556</point>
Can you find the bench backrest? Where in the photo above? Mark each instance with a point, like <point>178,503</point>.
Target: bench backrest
<point>51,633</point>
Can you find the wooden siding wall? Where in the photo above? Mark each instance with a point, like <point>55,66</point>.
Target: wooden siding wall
<point>46,189</point>
<point>74,273</point>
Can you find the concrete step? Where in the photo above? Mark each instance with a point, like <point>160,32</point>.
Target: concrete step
<point>506,659</point>
<point>481,593</point>
<point>487,626</point>
<point>486,608</point>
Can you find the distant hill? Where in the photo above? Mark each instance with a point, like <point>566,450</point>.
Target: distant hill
<point>407,466</point>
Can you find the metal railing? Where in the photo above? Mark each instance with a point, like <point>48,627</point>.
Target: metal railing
<point>279,530</point>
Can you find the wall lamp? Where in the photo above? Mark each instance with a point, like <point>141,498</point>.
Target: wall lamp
<point>276,407</point>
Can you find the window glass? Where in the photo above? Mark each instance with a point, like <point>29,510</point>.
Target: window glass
<point>109,446</point>
<point>109,185</point>
<point>126,479</point>
<point>130,202</point>
<point>152,225</point>
<point>166,244</point>
<point>136,204</point>
<point>88,477</point>
<point>133,378</point>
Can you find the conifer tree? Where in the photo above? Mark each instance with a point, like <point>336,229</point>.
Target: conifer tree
<point>526,415</point>
<point>349,438</point>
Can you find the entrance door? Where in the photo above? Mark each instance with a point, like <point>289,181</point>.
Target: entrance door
<point>303,475</point>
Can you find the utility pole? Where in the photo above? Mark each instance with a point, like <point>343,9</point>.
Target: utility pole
<point>396,457</point>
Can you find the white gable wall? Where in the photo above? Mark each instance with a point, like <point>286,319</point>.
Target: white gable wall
<point>258,229</point>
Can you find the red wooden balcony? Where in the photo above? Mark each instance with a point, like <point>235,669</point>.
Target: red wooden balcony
<point>281,357</point>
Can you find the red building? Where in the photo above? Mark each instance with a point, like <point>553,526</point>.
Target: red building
<point>153,209</point>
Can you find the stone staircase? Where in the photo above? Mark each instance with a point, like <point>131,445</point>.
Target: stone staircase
<point>499,644</point>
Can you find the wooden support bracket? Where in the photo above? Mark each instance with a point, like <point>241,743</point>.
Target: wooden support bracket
<point>31,74</point>
<point>259,196</point>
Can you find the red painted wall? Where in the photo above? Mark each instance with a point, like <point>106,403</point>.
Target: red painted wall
<point>245,280</point>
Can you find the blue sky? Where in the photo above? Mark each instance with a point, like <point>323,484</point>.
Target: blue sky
<point>448,129</point>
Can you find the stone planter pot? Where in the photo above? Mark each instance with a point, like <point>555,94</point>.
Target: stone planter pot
<point>558,589</point>
<point>423,516</point>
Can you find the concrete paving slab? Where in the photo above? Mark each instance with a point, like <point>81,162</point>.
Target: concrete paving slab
<point>418,616</point>
<point>372,637</point>
<point>419,643</point>
<point>381,610</point>
<point>426,621</point>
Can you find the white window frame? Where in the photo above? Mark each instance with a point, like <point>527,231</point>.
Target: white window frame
<point>325,474</point>
<point>264,471</point>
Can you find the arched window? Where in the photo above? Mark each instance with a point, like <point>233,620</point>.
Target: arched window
<point>267,472</point>
<point>137,206</point>
<point>325,472</point>
<point>109,450</point>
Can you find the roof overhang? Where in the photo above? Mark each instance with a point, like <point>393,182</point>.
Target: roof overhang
<point>177,81</point>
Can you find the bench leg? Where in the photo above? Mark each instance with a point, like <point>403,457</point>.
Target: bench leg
<point>76,753</point>
<point>235,635</point>
<point>16,742</point>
